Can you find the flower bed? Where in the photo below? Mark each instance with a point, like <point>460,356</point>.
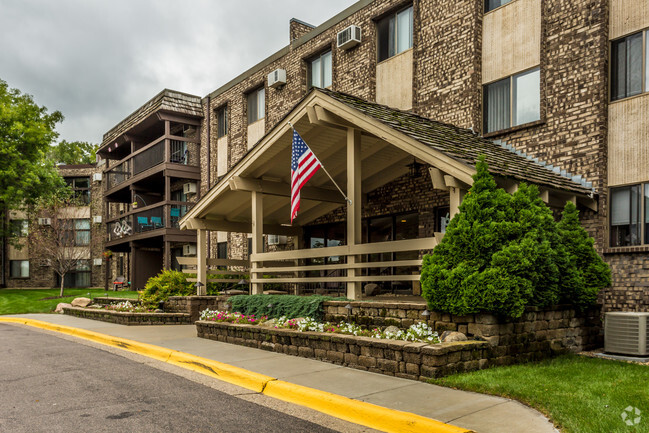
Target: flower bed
<point>418,332</point>
<point>129,317</point>
<point>407,359</point>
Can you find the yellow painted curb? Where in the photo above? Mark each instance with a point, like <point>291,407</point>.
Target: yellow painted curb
<point>367,414</point>
<point>228,373</point>
<point>359,412</point>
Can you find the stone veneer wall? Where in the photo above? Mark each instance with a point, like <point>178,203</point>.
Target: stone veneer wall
<point>536,334</point>
<point>193,305</point>
<point>418,361</point>
<point>127,318</point>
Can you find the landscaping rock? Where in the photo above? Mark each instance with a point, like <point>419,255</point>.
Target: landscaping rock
<point>391,330</point>
<point>371,289</point>
<point>81,302</point>
<point>451,336</point>
<point>236,292</point>
<point>61,306</point>
<point>275,292</point>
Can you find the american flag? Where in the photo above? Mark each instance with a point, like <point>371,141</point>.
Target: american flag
<point>304,165</point>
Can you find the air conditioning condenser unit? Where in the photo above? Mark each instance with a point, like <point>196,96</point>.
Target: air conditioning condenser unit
<point>45,221</point>
<point>349,38</point>
<point>277,78</point>
<point>189,250</point>
<point>277,240</point>
<point>626,333</point>
<point>189,188</point>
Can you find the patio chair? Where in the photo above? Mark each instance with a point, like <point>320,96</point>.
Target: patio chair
<point>143,223</point>
<point>120,283</point>
<point>180,158</point>
<point>156,222</point>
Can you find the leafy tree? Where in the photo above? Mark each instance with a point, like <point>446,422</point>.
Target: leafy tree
<point>55,242</point>
<point>26,132</point>
<point>592,273</point>
<point>73,152</point>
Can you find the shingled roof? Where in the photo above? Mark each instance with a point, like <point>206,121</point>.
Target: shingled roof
<point>466,146</point>
<point>167,100</point>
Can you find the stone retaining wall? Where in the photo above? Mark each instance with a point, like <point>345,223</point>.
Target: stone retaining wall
<point>106,300</point>
<point>193,305</point>
<point>127,318</point>
<point>537,334</point>
<point>418,361</point>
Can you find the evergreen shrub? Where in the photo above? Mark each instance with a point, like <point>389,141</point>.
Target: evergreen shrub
<point>504,252</point>
<point>290,306</point>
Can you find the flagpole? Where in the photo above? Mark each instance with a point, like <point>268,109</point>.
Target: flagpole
<point>325,170</point>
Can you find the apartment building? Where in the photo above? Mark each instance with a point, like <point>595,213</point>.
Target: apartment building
<point>397,99</point>
<point>21,269</point>
<point>152,175</point>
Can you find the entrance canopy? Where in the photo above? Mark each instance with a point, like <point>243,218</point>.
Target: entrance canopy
<point>390,140</point>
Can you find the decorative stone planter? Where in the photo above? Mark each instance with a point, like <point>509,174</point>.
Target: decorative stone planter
<point>127,318</point>
<point>418,361</point>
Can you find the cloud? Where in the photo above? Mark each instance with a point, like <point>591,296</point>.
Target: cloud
<point>98,61</point>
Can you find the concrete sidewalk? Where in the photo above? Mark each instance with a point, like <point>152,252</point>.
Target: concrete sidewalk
<point>482,413</point>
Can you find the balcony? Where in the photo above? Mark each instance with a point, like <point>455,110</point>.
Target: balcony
<point>150,221</point>
<point>178,152</point>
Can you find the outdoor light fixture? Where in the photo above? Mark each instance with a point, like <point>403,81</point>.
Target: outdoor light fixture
<point>198,284</point>
<point>425,313</point>
<point>349,308</point>
<point>161,305</point>
<point>270,306</point>
<point>414,169</point>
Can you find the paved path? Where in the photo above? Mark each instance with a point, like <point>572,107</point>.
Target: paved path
<point>482,413</point>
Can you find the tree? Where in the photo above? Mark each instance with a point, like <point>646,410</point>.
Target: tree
<point>55,242</point>
<point>592,273</point>
<point>73,152</point>
<point>26,132</point>
<point>504,252</point>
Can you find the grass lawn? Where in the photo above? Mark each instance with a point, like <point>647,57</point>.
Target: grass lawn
<point>31,301</point>
<point>579,394</point>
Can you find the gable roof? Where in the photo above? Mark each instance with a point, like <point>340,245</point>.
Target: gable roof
<point>463,145</point>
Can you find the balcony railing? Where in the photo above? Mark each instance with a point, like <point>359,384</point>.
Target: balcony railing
<point>180,152</point>
<point>150,219</point>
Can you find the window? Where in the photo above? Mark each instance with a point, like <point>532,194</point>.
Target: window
<point>513,101</point>
<point>19,268</point>
<point>19,228</point>
<point>222,122</point>
<point>256,105</point>
<point>627,64</point>
<point>490,5</point>
<point>222,250</point>
<point>80,187</point>
<point>320,71</point>
<point>625,215</point>
<point>77,232</point>
<point>80,276</point>
<point>394,34</point>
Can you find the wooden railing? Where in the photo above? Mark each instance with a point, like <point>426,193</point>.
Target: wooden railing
<point>216,266</point>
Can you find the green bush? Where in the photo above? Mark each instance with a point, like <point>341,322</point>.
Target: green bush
<point>592,273</point>
<point>282,305</point>
<point>166,283</point>
<point>504,252</point>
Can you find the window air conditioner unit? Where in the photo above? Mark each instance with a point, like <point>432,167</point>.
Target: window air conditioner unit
<point>45,221</point>
<point>277,240</point>
<point>97,219</point>
<point>189,188</point>
<point>189,250</point>
<point>277,78</point>
<point>626,333</point>
<point>349,38</point>
<point>97,262</point>
<point>97,177</point>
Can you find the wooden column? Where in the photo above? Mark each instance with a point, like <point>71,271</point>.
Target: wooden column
<point>257,238</point>
<point>457,194</point>
<point>167,253</point>
<point>201,261</point>
<point>354,289</point>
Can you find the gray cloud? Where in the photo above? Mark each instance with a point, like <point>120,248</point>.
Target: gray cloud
<point>97,61</point>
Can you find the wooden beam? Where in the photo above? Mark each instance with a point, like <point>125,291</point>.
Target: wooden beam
<point>545,195</point>
<point>328,117</point>
<point>453,182</point>
<point>354,289</point>
<point>238,227</point>
<point>284,190</point>
<point>201,260</point>
<point>590,203</point>
<point>437,177</point>
<point>257,238</point>
<point>383,177</point>
<point>178,119</point>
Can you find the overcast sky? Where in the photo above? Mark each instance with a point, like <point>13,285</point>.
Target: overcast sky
<point>98,61</point>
